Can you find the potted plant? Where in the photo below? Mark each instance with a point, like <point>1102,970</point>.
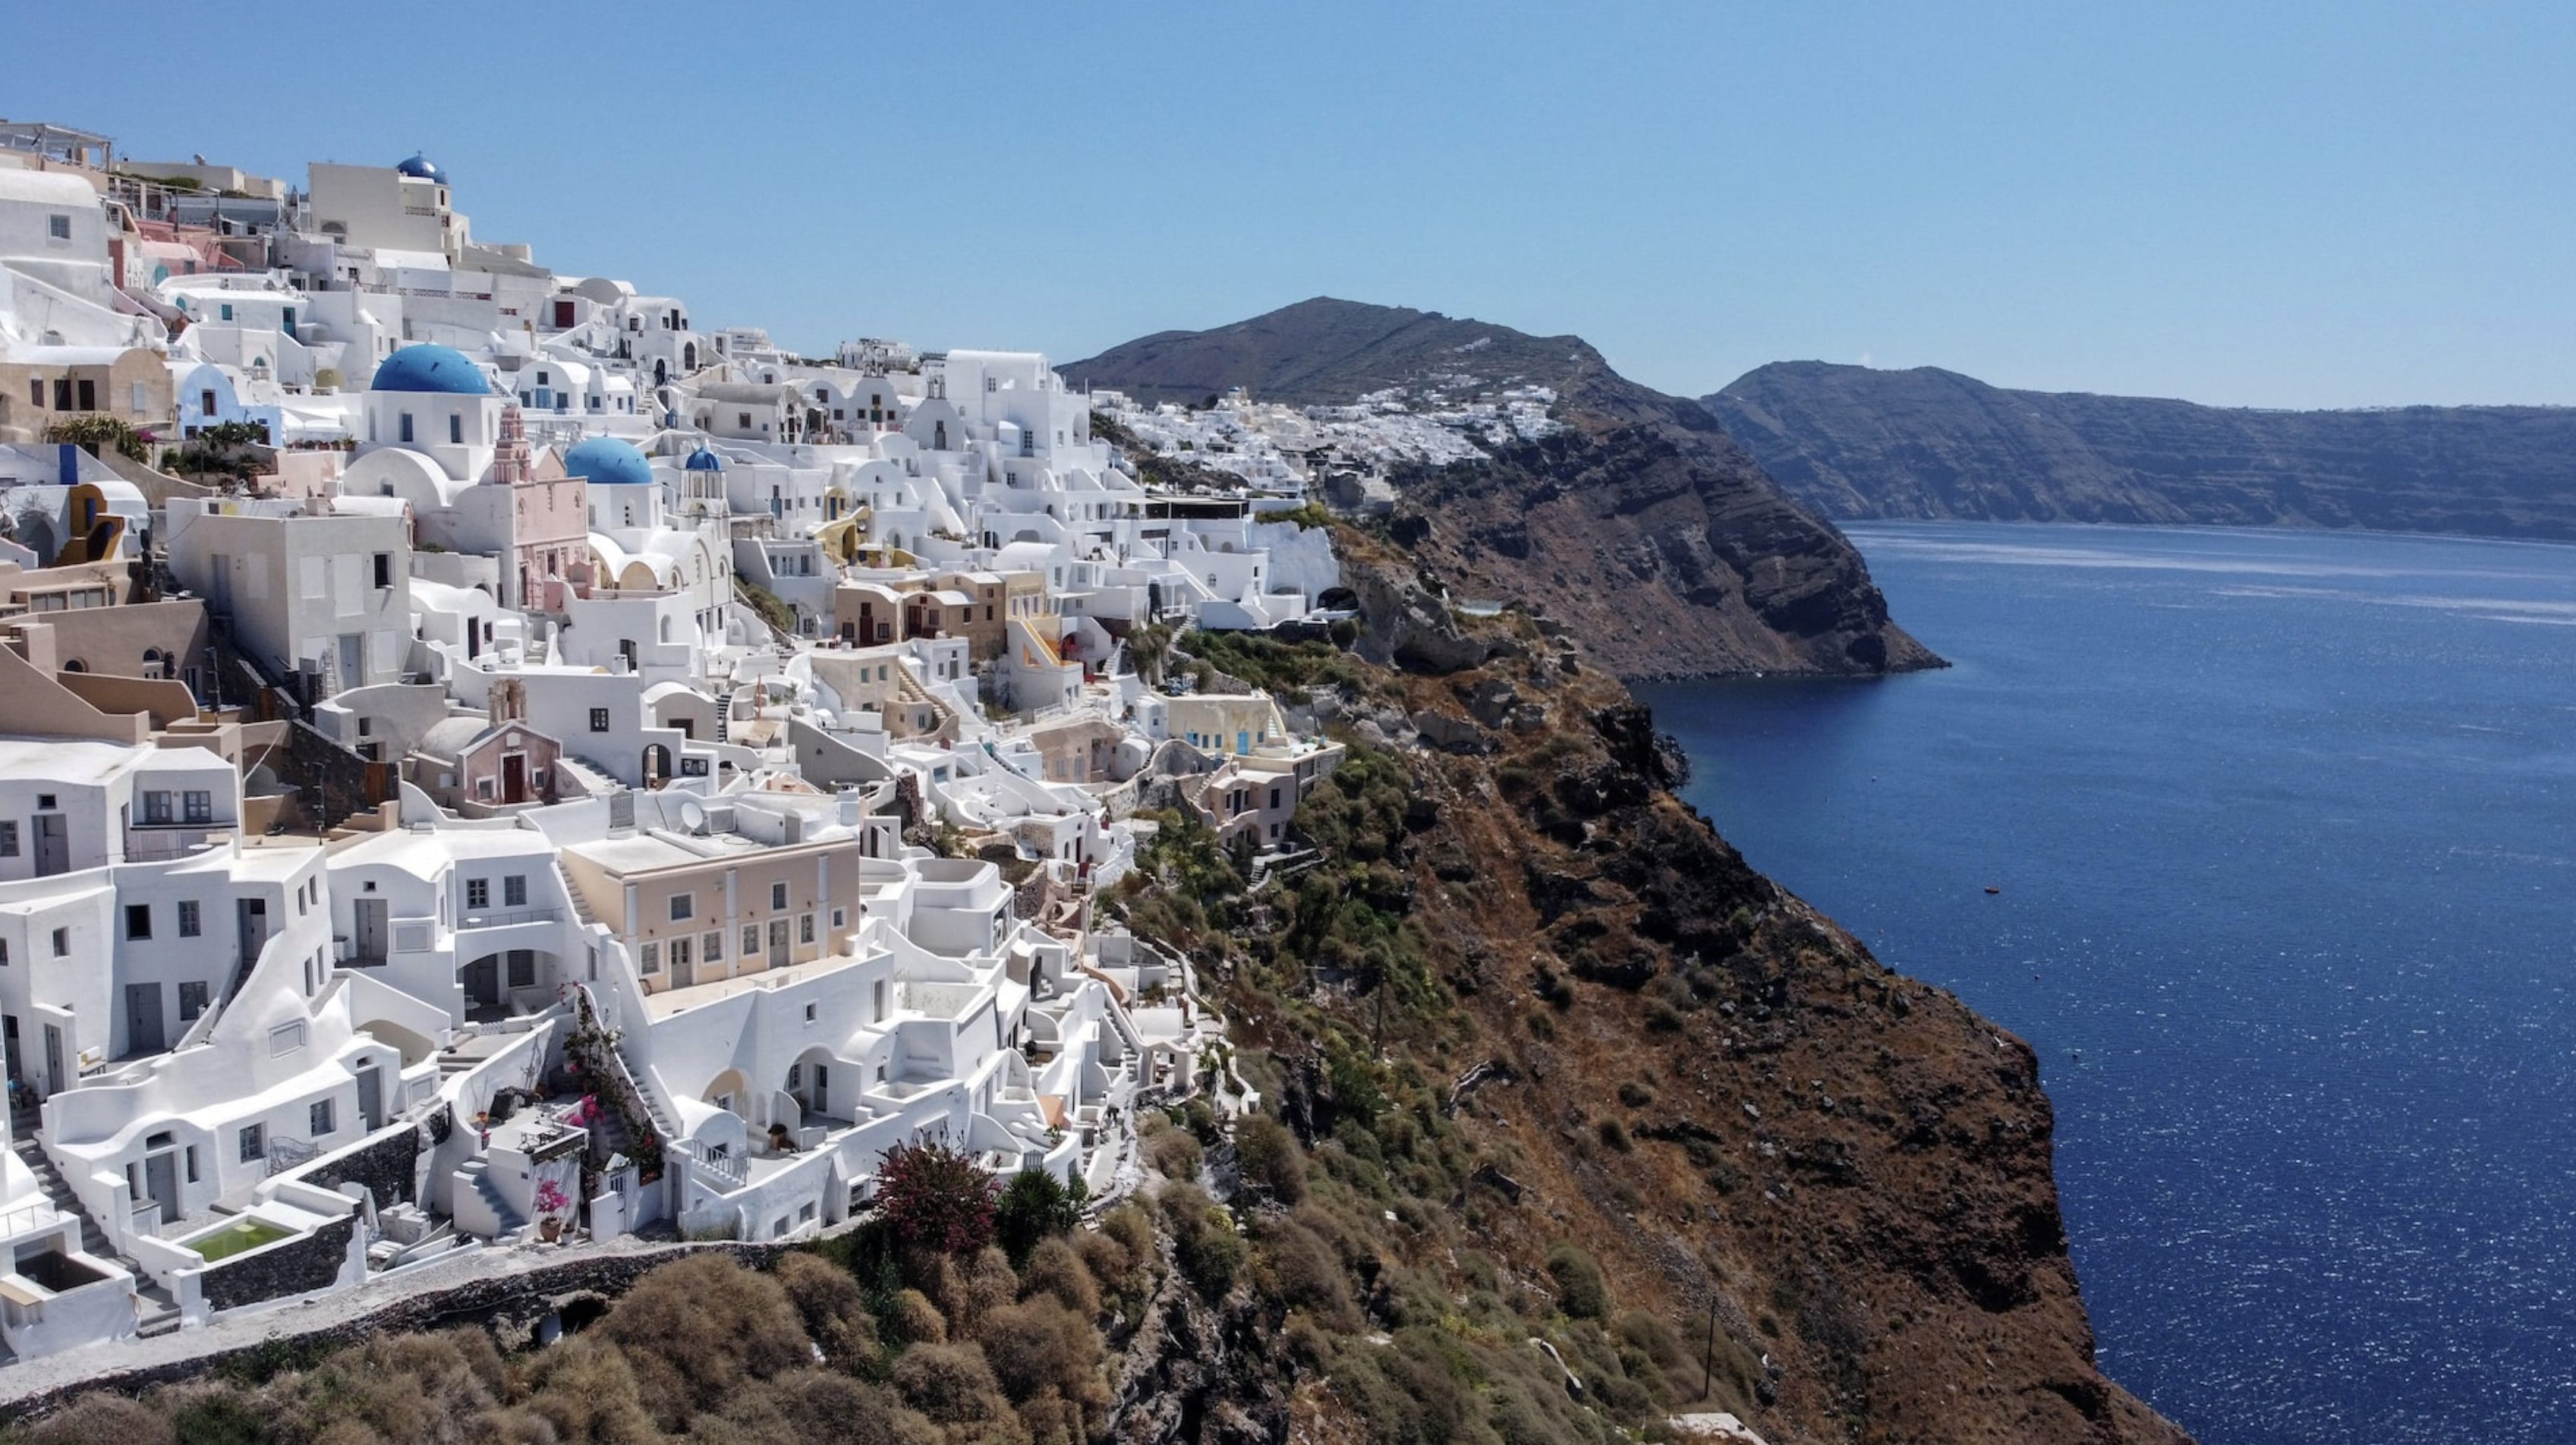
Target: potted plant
<point>552,1203</point>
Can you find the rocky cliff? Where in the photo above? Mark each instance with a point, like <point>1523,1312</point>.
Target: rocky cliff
<point>1570,1076</point>
<point>1640,526</point>
<point>1852,442</point>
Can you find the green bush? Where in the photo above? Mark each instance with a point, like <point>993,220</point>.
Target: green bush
<point>1580,1292</point>
<point>1034,1206</point>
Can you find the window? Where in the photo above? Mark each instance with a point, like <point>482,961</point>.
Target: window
<point>4,953</point>
<point>156,807</point>
<point>138,920</point>
<point>778,896</point>
<point>384,570</point>
<point>206,402</point>
<point>750,939</point>
<point>651,962</point>
<point>192,1001</point>
<point>683,906</point>
<point>320,1114</point>
<point>254,1142</point>
<point>406,427</point>
<point>523,968</point>
<point>840,918</point>
<point>8,840</point>
<point>188,918</point>
<point>455,429</point>
<point>711,947</point>
<point>812,1012</point>
<point>514,891</point>
<point>285,1039</point>
<point>599,719</point>
<point>199,805</point>
<point>478,892</point>
<point>805,928</point>
<point>62,943</point>
<point>227,310</point>
<point>88,395</point>
<point>60,228</point>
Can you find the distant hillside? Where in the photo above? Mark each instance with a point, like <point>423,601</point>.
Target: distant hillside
<point>1853,442</point>
<point>1640,527</point>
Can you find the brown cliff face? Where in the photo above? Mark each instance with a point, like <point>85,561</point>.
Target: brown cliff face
<point>1832,1180</point>
<point>1640,526</point>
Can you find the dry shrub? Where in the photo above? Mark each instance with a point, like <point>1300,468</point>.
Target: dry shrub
<point>834,1309</point>
<point>695,1330</point>
<point>1111,1266</point>
<point>426,1389</point>
<point>1040,1346</point>
<point>818,1407</point>
<point>1173,1152</point>
<point>103,1419</point>
<point>1057,1272</point>
<point>969,1289</point>
<point>915,1320</point>
<point>1269,1158</point>
<point>1051,1419</point>
<point>954,1387</point>
<point>586,1390</point>
<point>1293,1265</point>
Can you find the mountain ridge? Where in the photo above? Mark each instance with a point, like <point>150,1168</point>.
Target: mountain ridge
<point>1856,443</point>
<point>1640,510</point>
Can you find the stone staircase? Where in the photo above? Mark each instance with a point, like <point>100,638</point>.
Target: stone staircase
<point>587,773</point>
<point>909,688</point>
<point>475,1174</point>
<point>159,1314</point>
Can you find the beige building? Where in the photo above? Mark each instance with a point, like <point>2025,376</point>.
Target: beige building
<point>695,909</point>
<point>42,385</point>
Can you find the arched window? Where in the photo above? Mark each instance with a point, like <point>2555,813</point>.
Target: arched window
<point>156,663</point>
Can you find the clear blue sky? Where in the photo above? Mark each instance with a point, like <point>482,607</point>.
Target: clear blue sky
<point>2272,205</point>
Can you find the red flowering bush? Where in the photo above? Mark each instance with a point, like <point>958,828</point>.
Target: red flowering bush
<point>936,1198</point>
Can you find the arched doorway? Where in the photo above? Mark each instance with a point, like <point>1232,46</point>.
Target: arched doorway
<point>657,765</point>
<point>825,1089</point>
<point>731,1092</point>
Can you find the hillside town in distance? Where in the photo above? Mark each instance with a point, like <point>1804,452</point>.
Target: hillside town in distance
<point>487,763</point>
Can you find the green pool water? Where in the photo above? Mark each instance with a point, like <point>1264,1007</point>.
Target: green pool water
<point>233,1238</point>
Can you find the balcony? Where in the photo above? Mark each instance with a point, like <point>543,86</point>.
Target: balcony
<point>161,842</point>
<point>507,918</point>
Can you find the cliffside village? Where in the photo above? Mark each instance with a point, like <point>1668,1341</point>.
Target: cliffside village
<point>486,763</point>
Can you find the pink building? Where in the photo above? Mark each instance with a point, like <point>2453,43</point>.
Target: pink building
<point>543,532</point>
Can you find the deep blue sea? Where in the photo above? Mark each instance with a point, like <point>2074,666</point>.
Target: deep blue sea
<point>2281,824</point>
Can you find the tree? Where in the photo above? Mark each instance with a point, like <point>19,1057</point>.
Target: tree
<point>936,1198</point>
<point>1032,1207</point>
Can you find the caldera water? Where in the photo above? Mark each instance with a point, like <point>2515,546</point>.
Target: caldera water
<point>2263,841</point>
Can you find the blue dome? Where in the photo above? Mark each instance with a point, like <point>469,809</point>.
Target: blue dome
<point>431,368</point>
<point>419,165</point>
<point>608,462</point>
<point>703,460</point>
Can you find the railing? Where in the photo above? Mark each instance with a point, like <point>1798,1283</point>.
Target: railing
<point>144,1220</point>
<point>509,918</point>
<point>723,1165</point>
<point>160,842</point>
<point>25,1217</point>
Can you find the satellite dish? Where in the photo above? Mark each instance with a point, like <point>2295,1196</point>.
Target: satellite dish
<point>693,815</point>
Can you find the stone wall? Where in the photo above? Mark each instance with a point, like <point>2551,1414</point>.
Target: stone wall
<point>389,1167</point>
<point>509,1305</point>
<point>309,1263</point>
<point>349,783</point>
